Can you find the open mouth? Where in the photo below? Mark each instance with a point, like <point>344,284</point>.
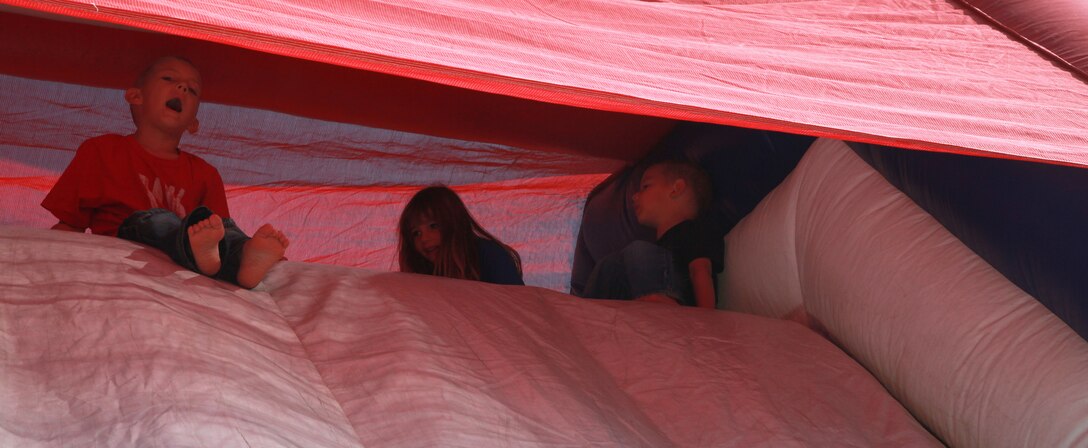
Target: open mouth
<point>174,104</point>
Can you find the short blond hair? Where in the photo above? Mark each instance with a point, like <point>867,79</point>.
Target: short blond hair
<point>694,176</point>
<point>141,79</point>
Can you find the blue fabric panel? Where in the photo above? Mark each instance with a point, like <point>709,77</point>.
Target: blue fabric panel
<point>744,166</point>
<point>1028,220</point>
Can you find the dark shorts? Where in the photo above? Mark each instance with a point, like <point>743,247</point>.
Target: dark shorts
<point>165,231</point>
<point>642,268</point>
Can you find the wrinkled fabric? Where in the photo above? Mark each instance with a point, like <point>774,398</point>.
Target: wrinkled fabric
<point>109,343</point>
<point>1055,27</point>
<point>450,362</point>
<point>104,342</point>
<point>920,74</point>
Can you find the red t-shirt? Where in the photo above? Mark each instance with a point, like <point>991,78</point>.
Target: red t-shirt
<point>113,176</point>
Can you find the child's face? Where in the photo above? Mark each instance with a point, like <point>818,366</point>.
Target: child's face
<point>652,196</point>
<point>426,238</point>
<point>169,98</point>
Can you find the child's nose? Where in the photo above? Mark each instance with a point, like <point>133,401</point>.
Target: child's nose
<point>430,236</point>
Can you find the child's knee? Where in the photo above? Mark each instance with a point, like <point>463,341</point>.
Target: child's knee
<point>640,250</point>
<point>149,225</point>
<point>162,222</point>
<point>611,264</point>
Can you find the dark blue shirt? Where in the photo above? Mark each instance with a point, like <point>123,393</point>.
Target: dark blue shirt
<point>689,241</point>
<point>497,265</point>
<point>694,239</point>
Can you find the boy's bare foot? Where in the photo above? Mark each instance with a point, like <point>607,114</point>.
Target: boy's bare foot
<point>204,239</point>
<point>259,254</point>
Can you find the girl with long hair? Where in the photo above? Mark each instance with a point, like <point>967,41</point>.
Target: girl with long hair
<point>438,236</point>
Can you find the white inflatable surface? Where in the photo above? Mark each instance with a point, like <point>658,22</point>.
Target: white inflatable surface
<point>976,359</point>
<point>108,343</point>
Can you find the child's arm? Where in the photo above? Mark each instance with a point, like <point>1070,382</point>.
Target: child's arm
<point>702,283</point>
<point>80,181</point>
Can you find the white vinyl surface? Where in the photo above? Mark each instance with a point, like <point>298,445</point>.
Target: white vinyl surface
<point>107,343</point>
<point>975,358</point>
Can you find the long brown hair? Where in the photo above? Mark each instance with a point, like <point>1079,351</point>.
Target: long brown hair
<point>458,255</point>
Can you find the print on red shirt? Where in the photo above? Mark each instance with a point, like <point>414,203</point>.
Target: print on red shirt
<point>168,198</point>
<point>112,176</point>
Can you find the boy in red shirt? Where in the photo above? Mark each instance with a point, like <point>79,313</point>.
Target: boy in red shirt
<point>139,187</point>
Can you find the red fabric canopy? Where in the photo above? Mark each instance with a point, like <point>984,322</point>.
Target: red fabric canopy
<point>1058,27</point>
<point>522,107</point>
<point>919,74</point>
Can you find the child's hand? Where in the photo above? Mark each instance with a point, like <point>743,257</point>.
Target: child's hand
<point>658,298</point>
<point>66,227</point>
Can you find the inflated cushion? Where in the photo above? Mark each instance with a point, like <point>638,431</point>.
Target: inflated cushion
<point>976,359</point>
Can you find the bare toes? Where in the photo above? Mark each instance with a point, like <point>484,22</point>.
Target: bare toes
<point>204,239</point>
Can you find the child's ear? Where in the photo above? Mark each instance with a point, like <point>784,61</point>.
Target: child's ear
<point>678,187</point>
<point>194,126</point>
<point>134,96</point>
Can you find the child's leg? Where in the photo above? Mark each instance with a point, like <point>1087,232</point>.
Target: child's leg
<point>608,279</point>
<point>650,270</point>
<point>247,260</point>
<point>204,237</point>
<point>199,241</point>
<point>640,269</point>
<point>230,251</point>
<point>205,243</point>
<point>163,230</point>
